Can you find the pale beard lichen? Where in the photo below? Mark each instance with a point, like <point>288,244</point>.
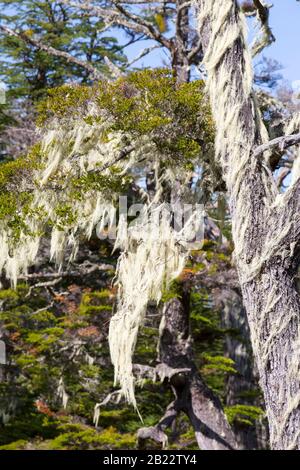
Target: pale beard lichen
<point>228,64</point>
<point>232,146</point>
<point>17,256</point>
<point>70,149</point>
<point>62,394</point>
<point>154,254</point>
<point>292,127</point>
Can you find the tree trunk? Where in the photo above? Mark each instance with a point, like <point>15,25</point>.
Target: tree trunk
<point>180,63</point>
<point>192,396</point>
<point>265,224</point>
<point>241,388</point>
<point>273,310</point>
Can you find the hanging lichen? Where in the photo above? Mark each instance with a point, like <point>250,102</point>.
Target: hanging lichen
<point>95,143</point>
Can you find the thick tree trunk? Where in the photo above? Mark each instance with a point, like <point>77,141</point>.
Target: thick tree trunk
<point>241,388</point>
<point>266,225</point>
<point>203,408</point>
<point>274,312</point>
<point>192,396</point>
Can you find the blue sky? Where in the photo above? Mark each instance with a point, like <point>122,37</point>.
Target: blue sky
<point>285,23</point>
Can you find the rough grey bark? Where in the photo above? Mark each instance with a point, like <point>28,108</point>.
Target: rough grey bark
<point>179,49</point>
<point>266,226</point>
<point>192,396</point>
<point>240,388</point>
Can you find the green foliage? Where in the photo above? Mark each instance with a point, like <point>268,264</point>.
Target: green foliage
<point>243,414</point>
<point>26,426</point>
<point>41,349</point>
<point>210,336</point>
<point>41,345</point>
<point>66,216</point>
<point>94,303</point>
<point>29,71</point>
<point>16,445</point>
<point>114,182</point>
<point>148,103</point>
<point>172,292</point>
<point>219,363</point>
<point>16,185</point>
<point>8,295</point>
<point>80,438</point>
<point>61,101</point>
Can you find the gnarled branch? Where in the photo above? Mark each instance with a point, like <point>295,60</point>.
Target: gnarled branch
<point>282,143</point>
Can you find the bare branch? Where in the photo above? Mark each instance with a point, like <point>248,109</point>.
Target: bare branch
<point>115,71</point>
<point>282,175</point>
<point>267,36</point>
<point>142,371</point>
<point>156,433</point>
<point>43,284</point>
<point>262,10</point>
<point>193,52</point>
<point>152,31</point>
<point>126,151</point>
<point>113,396</point>
<point>282,143</point>
<point>42,309</point>
<point>122,17</point>
<point>82,271</point>
<point>289,211</point>
<point>143,53</point>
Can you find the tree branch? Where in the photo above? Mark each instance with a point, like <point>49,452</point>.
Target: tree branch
<point>282,175</point>
<point>95,73</point>
<point>262,221</point>
<point>267,35</point>
<point>124,18</point>
<point>282,143</point>
<point>115,71</point>
<point>51,283</point>
<point>290,213</point>
<point>42,309</point>
<point>192,396</point>
<point>123,153</point>
<point>143,53</point>
<point>152,31</point>
<point>194,51</point>
<point>156,433</point>
<point>86,270</point>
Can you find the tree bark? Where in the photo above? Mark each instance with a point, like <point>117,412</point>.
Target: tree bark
<point>240,387</point>
<point>192,396</point>
<point>266,225</point>
<point>179,49</point>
